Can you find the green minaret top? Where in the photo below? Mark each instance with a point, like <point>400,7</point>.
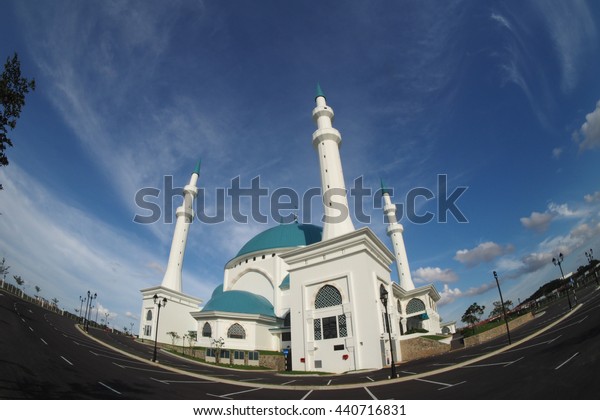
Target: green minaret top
<point>319,91</point>
<point>383,189</point>
<point>197,168</point>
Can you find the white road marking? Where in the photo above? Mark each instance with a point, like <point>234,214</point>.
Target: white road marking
<point>43,341</point>
<point>167,382</point>
<point>66,360</point>
<point>370,379</point>
<point>107,387</point>
<point>503,364</point>
<point>370,393</point>
<point>288,382</point>
<point>441,383</point>
<point>409,373</point>
<point>306,395</point>
<point>566,361</point>
<point>234,393</point>
<point>329,383</point>
<point>250,380</point>
<point>31,329</point>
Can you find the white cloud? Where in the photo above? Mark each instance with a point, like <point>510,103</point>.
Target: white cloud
<point>540,222</point>
<point>590,198</point>
<point>432,274</point>
<point>483,252</point>
<point>588,135</point>
<point>537,221</point>
<point>502,20</point>
<point>449,295</point>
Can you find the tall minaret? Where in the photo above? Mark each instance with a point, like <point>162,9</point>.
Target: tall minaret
<point>185,215</point>
<point>394,231</point>
<point>327,140</point>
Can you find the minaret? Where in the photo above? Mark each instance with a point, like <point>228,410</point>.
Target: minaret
<point>394,231</point>
<point>327,140</point>
<point>185,215</point>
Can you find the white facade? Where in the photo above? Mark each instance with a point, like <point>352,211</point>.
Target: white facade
<point>174,316</point>
<point>313,292</point>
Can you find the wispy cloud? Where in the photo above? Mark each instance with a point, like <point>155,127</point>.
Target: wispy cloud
<point>66,251</point>
<point>573,31</point>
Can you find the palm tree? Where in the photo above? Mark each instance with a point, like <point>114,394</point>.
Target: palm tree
<point>20,282</point>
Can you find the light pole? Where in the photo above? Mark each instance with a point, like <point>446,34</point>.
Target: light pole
<point>87,304</point>
<point>503,308</point>
<point>107,314</point>
<point>160,303</point>
<point>131,330</point>
<point>383,295</point>
<point>81,300</point>
<point>590,258</point>
<point>89,312</point>
<point>558,261</point>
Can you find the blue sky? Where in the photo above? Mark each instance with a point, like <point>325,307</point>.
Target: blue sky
<point>501,97</point>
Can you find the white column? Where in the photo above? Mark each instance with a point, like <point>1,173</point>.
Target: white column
<point>326,141</point>
<point>185,216</point>
<point>394,231</point>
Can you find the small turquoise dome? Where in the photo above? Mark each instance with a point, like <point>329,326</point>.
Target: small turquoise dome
<point>283,236</point>
<point>239,301</point>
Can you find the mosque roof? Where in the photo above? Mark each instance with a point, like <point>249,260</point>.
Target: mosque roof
<point>239,301</point>
<point>289,235</point>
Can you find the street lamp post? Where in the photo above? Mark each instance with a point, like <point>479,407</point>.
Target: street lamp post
<point>87,304</point>
<point>89,312</point>
<point>81,300</point>
<point>160,303</point>
<point>384,300</point>
<point>558,261</point>
<point>503,307</point>
<point>131,330</point>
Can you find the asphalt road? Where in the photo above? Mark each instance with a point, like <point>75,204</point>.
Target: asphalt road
<point>45,356</point>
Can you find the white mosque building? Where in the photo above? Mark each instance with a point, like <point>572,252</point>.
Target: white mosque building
<point>309,291</point>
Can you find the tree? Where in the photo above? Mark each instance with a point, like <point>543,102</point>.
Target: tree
<point>13,88</point>
<point>497,311</point>
<point>37,290</point>
<point>192,337</point>
<point>55,302</point>
<point>174,336</point>
<point>3,269</point>
<point>19,280</point>
<point>472,315</point>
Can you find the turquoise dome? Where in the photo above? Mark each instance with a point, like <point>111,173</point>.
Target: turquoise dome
<point>289,235</point>
<point>239,301</point>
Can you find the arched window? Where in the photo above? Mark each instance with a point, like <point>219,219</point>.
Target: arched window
<point>149,315</point>
<point>206,330</point>
<point>286,336</point>
<point>236,331</point>
<point>328,296</point>
<point>415,305</point>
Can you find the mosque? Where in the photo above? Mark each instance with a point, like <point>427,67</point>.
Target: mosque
<point>315,293</point>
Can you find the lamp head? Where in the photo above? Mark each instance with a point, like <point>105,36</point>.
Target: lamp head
<point>383,296</point>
